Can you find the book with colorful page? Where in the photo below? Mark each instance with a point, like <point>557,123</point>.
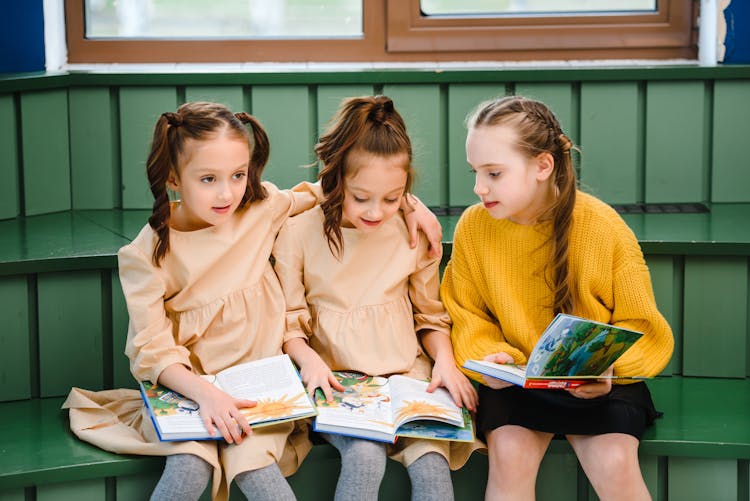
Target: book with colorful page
<point>572,351</point>
<point>383,409</point>
<point>273,383</point>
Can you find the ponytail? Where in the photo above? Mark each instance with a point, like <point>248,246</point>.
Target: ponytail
<point>159,165</point>
<point>258,158</point>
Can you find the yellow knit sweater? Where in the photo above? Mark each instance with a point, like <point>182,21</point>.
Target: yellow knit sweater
<point>496,293</point>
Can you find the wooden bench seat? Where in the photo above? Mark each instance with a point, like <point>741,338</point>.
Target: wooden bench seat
<point>703,418</point>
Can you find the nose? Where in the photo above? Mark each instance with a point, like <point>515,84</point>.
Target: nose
<point>479,188</point>
<point>225,191</point>
<point>375,211</point>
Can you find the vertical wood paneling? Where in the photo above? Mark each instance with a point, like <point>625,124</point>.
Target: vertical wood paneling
<point>136,487</point>
<point>558,476</point>
<point>70,331</point>
<point>46,156</point>
<point>667,286</point>
<point>13,494</point>
<point>650,471</point>
<point>701,478</point>
<point>462,99</point>
<point>72,491</point>
<point>10,205</point>
<point>286,114</point>
<point>559,98</point>
<point>230,96</point>
<point>422,111</point>
<point>730,173</point>
<point>610,141</point>
<point>15,370</point>
<point>121,378</point>
<point>715,332</point>
<point>675,170</point>
<point>139,109</point>
<point>95,181</point>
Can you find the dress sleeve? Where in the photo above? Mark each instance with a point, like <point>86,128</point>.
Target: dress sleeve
<point>424,293</point>
<point>635,308</point>
<point>150,344</point>
<point>289,266</point>
<point>475,333</point>
<point>305,196</point>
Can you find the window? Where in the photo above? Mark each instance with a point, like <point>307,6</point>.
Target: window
<point>376,30</point>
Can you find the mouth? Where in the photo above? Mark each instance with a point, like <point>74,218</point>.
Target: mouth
<point>221,210</point>
<point>369,223</point>
<point>489,205</point>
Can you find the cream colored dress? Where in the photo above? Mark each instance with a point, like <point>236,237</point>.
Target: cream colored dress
<point>214,302</point>
<point>363,312</point>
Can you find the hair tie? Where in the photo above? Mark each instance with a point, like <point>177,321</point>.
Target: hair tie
<point>564,142</point>
<point>173,119</point>
<point>243,117</point>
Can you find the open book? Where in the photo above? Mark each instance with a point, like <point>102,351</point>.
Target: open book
<point>571,352</point>
<point>273,383</point>
<point>382,409</point>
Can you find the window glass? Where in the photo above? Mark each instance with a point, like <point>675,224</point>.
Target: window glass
<point>222,19</point>
<point>514,7</point>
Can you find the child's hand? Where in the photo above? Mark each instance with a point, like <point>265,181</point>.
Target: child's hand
<point>316,374</point>
<point>447,375</point>
<point>596,389</point>
<point>498,358</point>
<point>223,411</point>
<point>418,217</point>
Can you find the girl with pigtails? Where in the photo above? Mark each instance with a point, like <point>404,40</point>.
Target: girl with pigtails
<point>202,296</point>
<point>536,246</point>
<point>360,299</point>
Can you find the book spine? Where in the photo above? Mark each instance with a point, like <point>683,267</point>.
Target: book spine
<point>552,384</point>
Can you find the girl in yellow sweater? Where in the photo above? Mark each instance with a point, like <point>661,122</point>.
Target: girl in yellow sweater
<point>534,247</point>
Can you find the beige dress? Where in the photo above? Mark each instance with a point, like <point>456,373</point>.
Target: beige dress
<point>214,302</point>
<point>363,312</point>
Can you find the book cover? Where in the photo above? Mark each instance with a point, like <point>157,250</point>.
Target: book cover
<point>273,383</point>
<point>571,351</point>
<point>379,408</point>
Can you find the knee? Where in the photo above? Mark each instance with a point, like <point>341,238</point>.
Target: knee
<point>365,454</point>
<point>617,462</point>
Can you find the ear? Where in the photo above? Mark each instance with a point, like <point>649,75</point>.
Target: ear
<point>173,182</point>
<point>545,165</point>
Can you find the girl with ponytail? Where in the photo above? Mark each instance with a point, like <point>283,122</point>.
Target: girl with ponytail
<point>202,296</point>
<point>359,298</point>
<point>536,246</point>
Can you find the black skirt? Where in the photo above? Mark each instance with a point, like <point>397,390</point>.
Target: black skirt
<point>626,409</point>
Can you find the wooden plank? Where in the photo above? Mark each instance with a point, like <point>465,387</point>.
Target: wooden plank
<point>15,362</point>
<point>286,114</point>
<point>94,171</point>
<point>46,157</point>
<point>701,478</point>
<point>139,109</point>
<point>715,323</point>
<point>558,476</point>
<point>666,279</point>
<point>228,95</point>
<point>121,377</point>
<point>675,150</point>
<point>610,141</point>
<point>72,491</point>
<point>730,176</point>
<point>425,118</point>
<point>136,487</point>
<point>70,332</point>
<point>10,205</point>
<point>462,100</point>
<point>13,495</point>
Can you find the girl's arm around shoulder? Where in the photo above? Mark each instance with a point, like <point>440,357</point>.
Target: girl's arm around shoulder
<point>150,344</point>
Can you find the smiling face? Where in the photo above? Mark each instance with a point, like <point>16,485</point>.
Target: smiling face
<point>211,181</point>
<point>510,184</point>
<point>372,193</point>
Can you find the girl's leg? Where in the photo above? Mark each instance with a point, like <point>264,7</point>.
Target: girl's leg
<point>185,477</point>
<point>265,483</point>
<point>611,464</point>
<point>514,456</point>
<point>430,478</point>
<point>362,468</point>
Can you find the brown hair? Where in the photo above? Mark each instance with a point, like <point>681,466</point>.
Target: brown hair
<point>539,131</point>
<point>199,121</point>
<point>369,124</point>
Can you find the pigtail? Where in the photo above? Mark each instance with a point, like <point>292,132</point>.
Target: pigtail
<point>258,159</point>
<point>159,165</point>
<point>562,220</point>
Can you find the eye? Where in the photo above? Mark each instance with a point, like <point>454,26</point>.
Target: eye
<point>358,199</point>
<point>208,179</point>
<point>494,174</point>
<point>239,175</point>
<point>392,200</point>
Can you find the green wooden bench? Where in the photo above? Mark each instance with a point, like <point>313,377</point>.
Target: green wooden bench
<point>65,324</point>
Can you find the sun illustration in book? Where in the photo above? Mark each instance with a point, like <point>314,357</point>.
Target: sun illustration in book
<point>412,408</point>
<point>271,408</point>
